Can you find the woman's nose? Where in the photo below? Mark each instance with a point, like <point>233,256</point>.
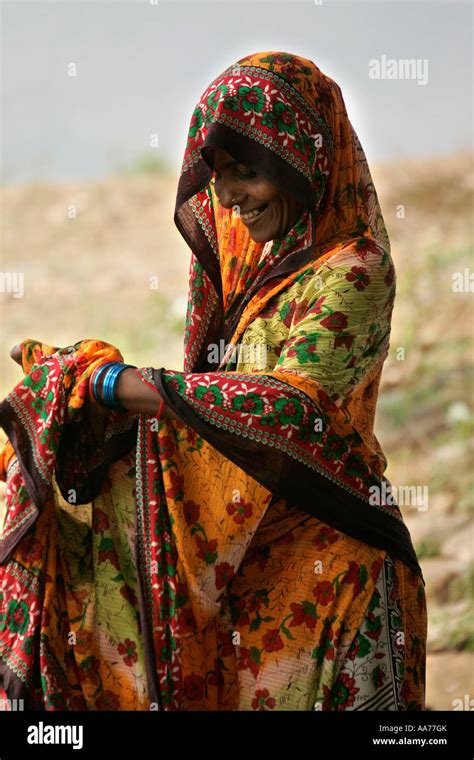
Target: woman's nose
<point>229,195</point>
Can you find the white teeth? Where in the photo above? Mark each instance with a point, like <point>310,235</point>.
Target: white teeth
<point>253,214</point>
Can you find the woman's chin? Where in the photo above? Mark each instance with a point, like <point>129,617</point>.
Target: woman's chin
<point>260,237</point>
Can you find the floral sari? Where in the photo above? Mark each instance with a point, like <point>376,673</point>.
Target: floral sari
<point>234,558</point>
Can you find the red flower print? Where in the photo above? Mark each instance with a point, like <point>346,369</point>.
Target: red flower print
<point>100,521</point>
<point>359,276</point>
<point>89,670</point>
<point>337,638</point>
<point>300,310</point>
<point>83,642</point>
<point>191,512</point>
<point>128,652</point>
<point>232,235</point>
<point>107,701</point>
<point>208,397</point>
<point>342,694</point>
<point>374,625</point>
<point>224,574</point>
<point>177,482</point>
<point>327,403</point>
<point>375,569</point>
<point>263,700</point>
<point>303,614</point>
<point>191,436</point>
<point>357,574</point>
<point>37,375</point>
<point>186,622</point>
<point>378,677</point>
<point>325,536</point>
<point>207,550</point>
<point>247,660</point>
<point>290,71</point>
<point>107,552</point>
<point>256,601</point>
<point>329,652</point>
<point>167,446</point>
<point>240,509</point>
<point>279,60</point>
<point>129,594</point>
<point>323,592</point>
<point>194,687</point>
<point>343,340</point>
<point>238,608</point>
<point>272,641</point>
<point>335,322</point>
<point>317,307</point>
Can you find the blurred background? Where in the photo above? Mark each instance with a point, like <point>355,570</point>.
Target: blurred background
<point>96,102</point>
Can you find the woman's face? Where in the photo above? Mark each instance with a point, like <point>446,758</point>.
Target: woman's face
<point>237,185</point>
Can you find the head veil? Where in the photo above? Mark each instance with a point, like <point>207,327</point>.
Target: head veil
<point>280,115</point>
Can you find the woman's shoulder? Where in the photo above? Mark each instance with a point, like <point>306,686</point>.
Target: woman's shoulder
<point>363,264</point>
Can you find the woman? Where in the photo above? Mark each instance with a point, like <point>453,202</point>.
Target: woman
<point>233,550</point>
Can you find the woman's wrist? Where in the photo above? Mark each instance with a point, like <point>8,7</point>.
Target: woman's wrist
<point>135,395</point>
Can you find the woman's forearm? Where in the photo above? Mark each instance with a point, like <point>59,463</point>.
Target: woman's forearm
<point>138,397</point>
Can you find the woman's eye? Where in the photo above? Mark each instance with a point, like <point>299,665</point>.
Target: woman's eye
<point>241,173</point>
<point>246,173</point>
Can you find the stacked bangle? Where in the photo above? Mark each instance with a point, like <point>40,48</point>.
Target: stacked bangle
<point>103,383</point>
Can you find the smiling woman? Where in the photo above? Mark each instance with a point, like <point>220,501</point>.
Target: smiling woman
<point>266,210</point>
<point>228,554</point>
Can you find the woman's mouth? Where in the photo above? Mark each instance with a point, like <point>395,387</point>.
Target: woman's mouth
<point>252,216</point>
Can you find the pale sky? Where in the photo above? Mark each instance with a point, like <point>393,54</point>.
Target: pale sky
<point>141,69</point>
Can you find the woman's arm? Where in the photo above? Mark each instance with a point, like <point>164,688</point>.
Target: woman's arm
<point>130,391</point>
<point>138,397</point>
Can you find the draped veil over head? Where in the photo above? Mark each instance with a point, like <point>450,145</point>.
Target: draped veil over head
<point>280,115</point>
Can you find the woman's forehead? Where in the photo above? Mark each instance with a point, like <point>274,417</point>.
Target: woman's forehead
<point>222,155</point>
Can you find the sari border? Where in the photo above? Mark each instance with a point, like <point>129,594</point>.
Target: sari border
<point>297,485</point>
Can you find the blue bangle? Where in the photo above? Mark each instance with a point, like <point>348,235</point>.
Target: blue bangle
<point>110,378</point>
<point>95,385</point>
